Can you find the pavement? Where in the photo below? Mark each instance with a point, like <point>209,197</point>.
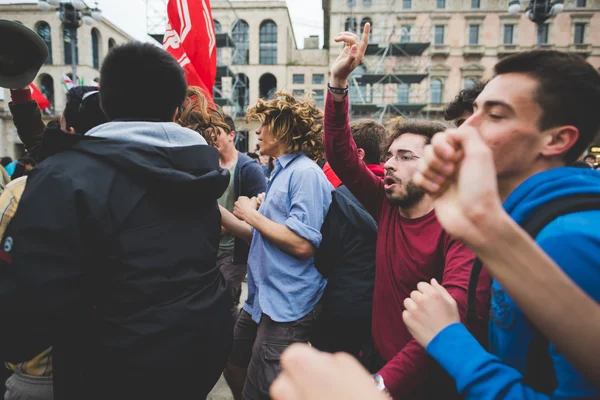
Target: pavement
<point>221,390</point>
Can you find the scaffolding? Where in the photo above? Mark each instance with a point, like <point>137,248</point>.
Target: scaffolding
<point>393,79</point>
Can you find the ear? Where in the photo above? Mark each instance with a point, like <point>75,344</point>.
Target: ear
<point>232,135</point>
<point>72,131</point>
<point>560,140</point>
<point>361,154</point>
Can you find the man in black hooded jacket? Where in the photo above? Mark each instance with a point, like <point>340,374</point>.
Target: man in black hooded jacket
<point>111,257</point>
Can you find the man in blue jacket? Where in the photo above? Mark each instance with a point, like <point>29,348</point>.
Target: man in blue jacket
<point>538,114</point>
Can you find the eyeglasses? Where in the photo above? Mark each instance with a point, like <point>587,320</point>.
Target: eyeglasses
<point>402,157</point>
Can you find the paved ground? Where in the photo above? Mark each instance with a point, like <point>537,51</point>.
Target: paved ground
<point>221,390</point>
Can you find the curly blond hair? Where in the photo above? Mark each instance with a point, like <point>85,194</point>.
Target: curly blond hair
<point>296,124</point>
<point>196,114</point>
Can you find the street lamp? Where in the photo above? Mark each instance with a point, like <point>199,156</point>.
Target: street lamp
<point>73,14</point>
<point>538,11</point>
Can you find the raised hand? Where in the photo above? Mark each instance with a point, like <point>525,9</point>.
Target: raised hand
<point>350,57</point>
<point>429,310</point>
<point>458,172</point>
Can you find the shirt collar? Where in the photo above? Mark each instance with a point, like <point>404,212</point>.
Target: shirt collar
<point>285,159</point>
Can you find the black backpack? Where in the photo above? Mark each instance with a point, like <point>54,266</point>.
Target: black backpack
<point>539,374</point>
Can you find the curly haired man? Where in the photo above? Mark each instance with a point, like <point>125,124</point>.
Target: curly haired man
<point>284,287</point>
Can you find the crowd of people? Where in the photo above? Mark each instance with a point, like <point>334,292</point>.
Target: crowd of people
<point>407,261</point>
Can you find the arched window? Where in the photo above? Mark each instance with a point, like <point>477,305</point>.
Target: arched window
<point>47,88</point>
<point>363,22</point>
<point>367,3</point>
<point>403,90</point>
<point>241,93</point>
<point>350,25</point>
<point>95,48</point>
<point>218,28</point>
<point>351,3</point>
<point>436,91</point>
<point>43,29</point>
<point>268,43</point>
<point>241,53</point>
<point>111,43</point>
<point>267,86</point>
<point>69,41</point>
<point>469,83</point>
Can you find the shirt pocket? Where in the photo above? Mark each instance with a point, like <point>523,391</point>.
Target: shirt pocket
<point>276,206</point>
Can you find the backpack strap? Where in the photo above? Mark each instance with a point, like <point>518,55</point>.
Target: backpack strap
<point>539,374</point>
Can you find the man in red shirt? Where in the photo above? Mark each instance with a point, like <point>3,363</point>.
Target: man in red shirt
<point>411,244</point>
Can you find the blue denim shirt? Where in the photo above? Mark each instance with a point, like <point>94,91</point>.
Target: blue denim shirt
<point>280,285</point>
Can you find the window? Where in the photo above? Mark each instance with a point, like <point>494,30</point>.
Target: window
<point>436,91</point>
<point>441,3</point>
<point>363,22</point>
<point>111,44</point>
<point>298,93</point>
<point>68,42</point>
<point>43,29</point>
<point>218,28</point>
<point>318,79</point>
<point>241,53</point>
<point>579,33</point>
<point>580,3</point>
<point>475,3</point>
<point>407,4</point>
<point>267,86</point>
<point>469,83</point>
<point>95,48</point>
<point>543,34</point>
<point>47,88</point>
<point>367,3</point>
<point>403,93</point>
<point>241,93</point>
<point>350,25</point>
<point>298,79</point>
<point>268,43</point>
<point>473,34</point>
<point>439,34</point>
<point>508,34</point>
<point>405,38</point>
<point>319,97</point>
<point>351,3</point>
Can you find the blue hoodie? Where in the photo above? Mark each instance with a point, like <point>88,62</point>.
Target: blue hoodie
<point>573,242</point>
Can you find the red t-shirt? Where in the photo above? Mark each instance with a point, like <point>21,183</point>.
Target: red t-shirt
<point>377,169</point>
<point>409,251</point>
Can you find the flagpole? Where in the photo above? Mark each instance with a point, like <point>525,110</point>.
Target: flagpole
<point>74,52</point>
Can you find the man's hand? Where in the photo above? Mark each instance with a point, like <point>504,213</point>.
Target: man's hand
<point>244,206</point>
<point>350,57</point>
<point>429,310</point>
<point>311,375</point>
<point>260,198</point>
<point>458,172</point>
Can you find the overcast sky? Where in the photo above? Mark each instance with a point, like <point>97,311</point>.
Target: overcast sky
<point>130,15</point>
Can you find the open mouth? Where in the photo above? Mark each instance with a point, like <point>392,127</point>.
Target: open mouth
<point>389,182</point>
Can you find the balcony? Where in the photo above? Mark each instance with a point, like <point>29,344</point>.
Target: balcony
<point>442,50</point>
<point>474,50</point>
<point>583,49</point>
<point>507,49</point>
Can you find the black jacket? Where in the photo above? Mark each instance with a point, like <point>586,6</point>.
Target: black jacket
<point>111,259</point>
<point>348,252</point>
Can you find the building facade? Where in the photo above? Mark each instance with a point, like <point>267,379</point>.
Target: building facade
<point>93,43</point>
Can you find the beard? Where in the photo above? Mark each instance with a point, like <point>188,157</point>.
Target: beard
<point>413,196</point>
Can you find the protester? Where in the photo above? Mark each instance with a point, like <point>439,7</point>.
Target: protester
<point>113,251</point>
<point>590,159</point>
<point>534,125</point>
<point>24,167</point>
<point>411,244</point>
<point>461,108</point>
<point>284,287</point>
<point>368,136</point>
<point>348,251</point>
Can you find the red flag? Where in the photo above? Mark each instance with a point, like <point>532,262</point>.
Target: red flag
<point>36,95</point>
<point>191,39</point>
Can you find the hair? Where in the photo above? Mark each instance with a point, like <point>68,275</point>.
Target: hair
<point>27,160</point>
<point>253,156</point>
<point>141,81</point>
<point>297,125</point>
<point>568,92</point>
<point>229,121</point>
<point>196,114</point>
<point>368,136</point>
<point>4,161</point>
<point>424,128</point>
<point>463,102</point>
<point>581,164</point>
<point>83,115</point>
<point>593,157</point>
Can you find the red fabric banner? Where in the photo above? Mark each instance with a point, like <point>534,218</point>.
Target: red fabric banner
<point>190,37</point>
<point>36,95</point>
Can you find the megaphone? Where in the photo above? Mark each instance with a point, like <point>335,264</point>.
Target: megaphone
<point>22,54</point>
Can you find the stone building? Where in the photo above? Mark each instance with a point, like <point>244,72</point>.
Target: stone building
<point>93,42</point>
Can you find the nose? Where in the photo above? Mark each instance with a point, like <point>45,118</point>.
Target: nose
<point>474,120</point>
<point>390,165</point>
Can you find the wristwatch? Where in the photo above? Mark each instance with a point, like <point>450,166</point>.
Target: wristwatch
<point>379,381</point>
<point>335,90</point>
